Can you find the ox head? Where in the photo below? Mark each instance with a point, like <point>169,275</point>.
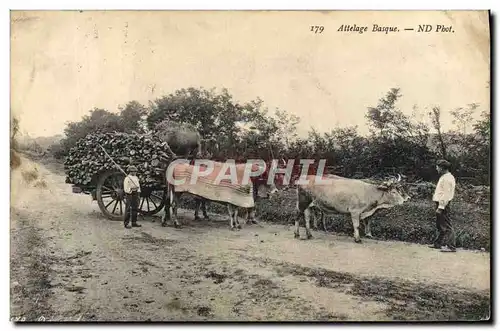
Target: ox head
<point>395,191</point>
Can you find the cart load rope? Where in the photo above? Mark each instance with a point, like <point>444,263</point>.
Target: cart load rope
<point>210,187</point>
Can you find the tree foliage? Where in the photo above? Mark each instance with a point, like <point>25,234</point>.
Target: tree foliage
<point>132,117</point>
<point>396,140</point>
<point>101,120</point>
<point>462,117</point>
<point>435,116</point>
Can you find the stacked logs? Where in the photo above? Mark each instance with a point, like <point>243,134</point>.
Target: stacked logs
<point>86,160</point>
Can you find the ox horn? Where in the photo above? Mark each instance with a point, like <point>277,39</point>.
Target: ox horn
<point>399,178</point>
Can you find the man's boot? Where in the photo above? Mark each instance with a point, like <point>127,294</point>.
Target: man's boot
<point>127,225</point>
<point>135,225</point>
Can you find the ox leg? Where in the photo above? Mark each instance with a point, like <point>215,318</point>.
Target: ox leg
<point>368,228</point>
<point>251,216</point>
<point>251,211</point>
<point>197,209</point>
<point>204,210</point>
<point>166,214</point>
<point>307,217</point>
<point>315,220</point>
<point>238,225</point>
<point>303,203</point>
<point>318,215</point>
<point>296,233</point>
<point>355,224</point>
<point>230,211</point>
<point>233,217</point>
<point>200,203</point>
<point>174,202</point>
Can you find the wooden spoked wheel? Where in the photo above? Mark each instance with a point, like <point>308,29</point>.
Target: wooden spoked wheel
<point>111,197</point>
<point>151,201</point>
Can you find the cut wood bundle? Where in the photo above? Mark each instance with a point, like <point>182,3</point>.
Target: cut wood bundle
<point>86,160</point>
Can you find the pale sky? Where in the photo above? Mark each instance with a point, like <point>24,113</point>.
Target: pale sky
<point>64,63</point>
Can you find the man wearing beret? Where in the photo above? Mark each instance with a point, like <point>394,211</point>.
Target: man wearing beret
<point>444,193</point>
<point>132,188</point>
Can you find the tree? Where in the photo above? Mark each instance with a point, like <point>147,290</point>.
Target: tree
<point>98,120</point>
<point>287,127</point>
<point>481,146</point>
<point>466,148</point>
<point>258,131</point>
<point>300,148</point>
<point>349,148</point>
<point>435,116</point>
<point>209,112</point>
<point>242,130</point>
<point>483,129</point>
<point>213,114</point>
<point>396,140</point>
<point>462,117</point>
<point>131,117</point>
<point>389,122</point>
<point>320,143</point>
<point>381,116</point>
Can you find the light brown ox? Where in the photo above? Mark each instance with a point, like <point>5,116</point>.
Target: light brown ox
<point>341,195</point>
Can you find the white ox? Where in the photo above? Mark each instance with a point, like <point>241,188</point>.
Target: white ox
<point>339,195</point>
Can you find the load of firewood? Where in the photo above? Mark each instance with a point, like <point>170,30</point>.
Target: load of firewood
<point>87,159</point>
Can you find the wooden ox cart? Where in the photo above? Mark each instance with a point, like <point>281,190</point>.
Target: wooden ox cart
<point>96,166</point>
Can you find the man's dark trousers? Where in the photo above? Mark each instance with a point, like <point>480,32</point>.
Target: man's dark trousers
<point>131,207</point>
<point>446,235</point>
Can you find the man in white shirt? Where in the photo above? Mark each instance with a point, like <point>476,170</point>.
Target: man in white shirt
<point>444,193</point>
<point>132,188</point>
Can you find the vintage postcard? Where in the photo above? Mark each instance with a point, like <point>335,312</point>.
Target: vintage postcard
<point>251,166</point>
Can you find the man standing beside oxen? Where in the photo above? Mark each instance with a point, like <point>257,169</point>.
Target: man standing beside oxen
<point>444,193</point>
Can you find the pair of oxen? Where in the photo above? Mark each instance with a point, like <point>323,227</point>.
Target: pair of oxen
<point>328,194</point>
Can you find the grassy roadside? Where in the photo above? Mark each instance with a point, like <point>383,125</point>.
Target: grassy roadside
<point>412,222</point>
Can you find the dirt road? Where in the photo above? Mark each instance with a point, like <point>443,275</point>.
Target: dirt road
<point>69,263</point>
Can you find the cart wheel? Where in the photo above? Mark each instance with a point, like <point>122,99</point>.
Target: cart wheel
<point>110,195</point>
<point>151,201</point>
